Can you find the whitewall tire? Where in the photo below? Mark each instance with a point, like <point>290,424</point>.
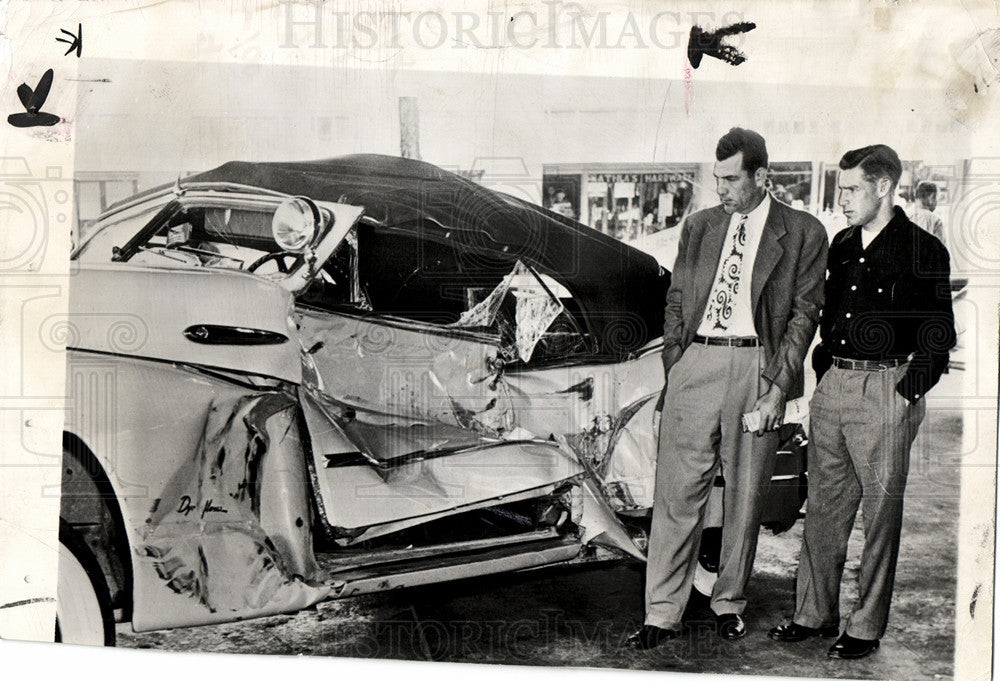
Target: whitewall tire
<point>83,606</point>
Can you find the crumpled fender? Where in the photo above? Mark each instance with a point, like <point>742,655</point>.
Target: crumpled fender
<point>203,555</point>
<point>600,525</point>
<point>629,465</point>
<point>377,473</point>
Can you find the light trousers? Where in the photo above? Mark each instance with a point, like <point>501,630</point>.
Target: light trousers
<point>708,390</point>
<point>859,454</point>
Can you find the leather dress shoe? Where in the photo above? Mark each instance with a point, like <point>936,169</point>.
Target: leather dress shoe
<point>850,648</point>
<point>649,637</point>
<point>792,632</point>
<point>730,626</point>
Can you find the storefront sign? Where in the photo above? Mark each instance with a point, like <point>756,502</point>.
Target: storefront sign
<point>640,177</point>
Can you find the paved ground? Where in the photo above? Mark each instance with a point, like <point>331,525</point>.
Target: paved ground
<point>580,616</point>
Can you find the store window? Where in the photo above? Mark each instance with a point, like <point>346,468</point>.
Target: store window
<point>791,183</point>
<point>561,194</point>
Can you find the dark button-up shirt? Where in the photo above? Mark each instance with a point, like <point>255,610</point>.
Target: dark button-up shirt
<point>891,300</point>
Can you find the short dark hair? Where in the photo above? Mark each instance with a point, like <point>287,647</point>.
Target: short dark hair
<point>875,161</point>
<point>749,142</point>
<point>925,189</point>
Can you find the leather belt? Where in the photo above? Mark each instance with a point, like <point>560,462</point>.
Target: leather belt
<point>730,341</point>
<point>867,364</point>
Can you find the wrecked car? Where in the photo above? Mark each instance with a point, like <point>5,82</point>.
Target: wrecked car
<point>291,382</point>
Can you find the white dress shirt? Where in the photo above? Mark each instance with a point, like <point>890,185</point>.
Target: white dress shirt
<point>741,321</point>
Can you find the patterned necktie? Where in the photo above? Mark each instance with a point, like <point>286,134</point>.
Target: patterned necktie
<point>727,285</point>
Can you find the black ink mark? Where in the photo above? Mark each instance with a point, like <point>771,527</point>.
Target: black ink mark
<point>27,601</point>
<point>700,43</point>
<point>585,389</point>
<point>77,40</point>
<point>186,507</point>
<point>33,101</point>
<point>209,508</point>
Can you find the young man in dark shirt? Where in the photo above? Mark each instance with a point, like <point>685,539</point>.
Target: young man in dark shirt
<point>886,330</point>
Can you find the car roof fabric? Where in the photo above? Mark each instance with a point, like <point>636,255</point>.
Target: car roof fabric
<point>620,289</point>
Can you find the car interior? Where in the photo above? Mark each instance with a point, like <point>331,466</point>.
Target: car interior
<point>421,273</point>
<point>439,281</point>
<point>228,238</point>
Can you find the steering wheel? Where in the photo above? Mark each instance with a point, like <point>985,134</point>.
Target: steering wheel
<point>278,257</point>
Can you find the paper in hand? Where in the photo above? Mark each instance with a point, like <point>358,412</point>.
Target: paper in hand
<point>795,410</point>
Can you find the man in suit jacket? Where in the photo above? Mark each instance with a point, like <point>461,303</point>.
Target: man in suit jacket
<point>741,311</point>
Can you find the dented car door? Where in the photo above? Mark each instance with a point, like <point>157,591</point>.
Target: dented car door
<point>414,429</point>
<point>409,369</point>
<point>410,420</point>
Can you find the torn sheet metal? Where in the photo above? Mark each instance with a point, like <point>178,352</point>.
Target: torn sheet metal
<point>605,413</point>
<point>600,526</point>
<point>408,369</point>
<point>400,418</point>
<point>627,468</point>
<point>373,471</point>
<point>203,538</point>
<point>535,309</point>
<point>570,398</point>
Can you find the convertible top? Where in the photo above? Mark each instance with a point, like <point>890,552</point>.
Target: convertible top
<point>619,288</point>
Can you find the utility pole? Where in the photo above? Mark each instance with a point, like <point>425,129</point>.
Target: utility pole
<point>409,128</point>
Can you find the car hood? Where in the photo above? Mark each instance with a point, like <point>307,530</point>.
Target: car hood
<point>619,289</point>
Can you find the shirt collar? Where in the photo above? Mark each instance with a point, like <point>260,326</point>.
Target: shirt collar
<point>898,217</point>
<point>756,217</point>
<point>895,222</point>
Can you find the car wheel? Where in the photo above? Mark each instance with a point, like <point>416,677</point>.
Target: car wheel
<point>83,604</point>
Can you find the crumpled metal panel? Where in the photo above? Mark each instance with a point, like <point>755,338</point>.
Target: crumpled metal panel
<point>203,539</point>
<point>409,370</point>
<point>395,412</point>
<point>605,414</point>
<point>628,465</point>
<point>599,524</point>
<point>411,469</point>
<point>534,310</point>
<point>573,398</point>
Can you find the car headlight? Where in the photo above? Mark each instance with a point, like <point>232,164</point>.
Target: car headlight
<point>295,223</point>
